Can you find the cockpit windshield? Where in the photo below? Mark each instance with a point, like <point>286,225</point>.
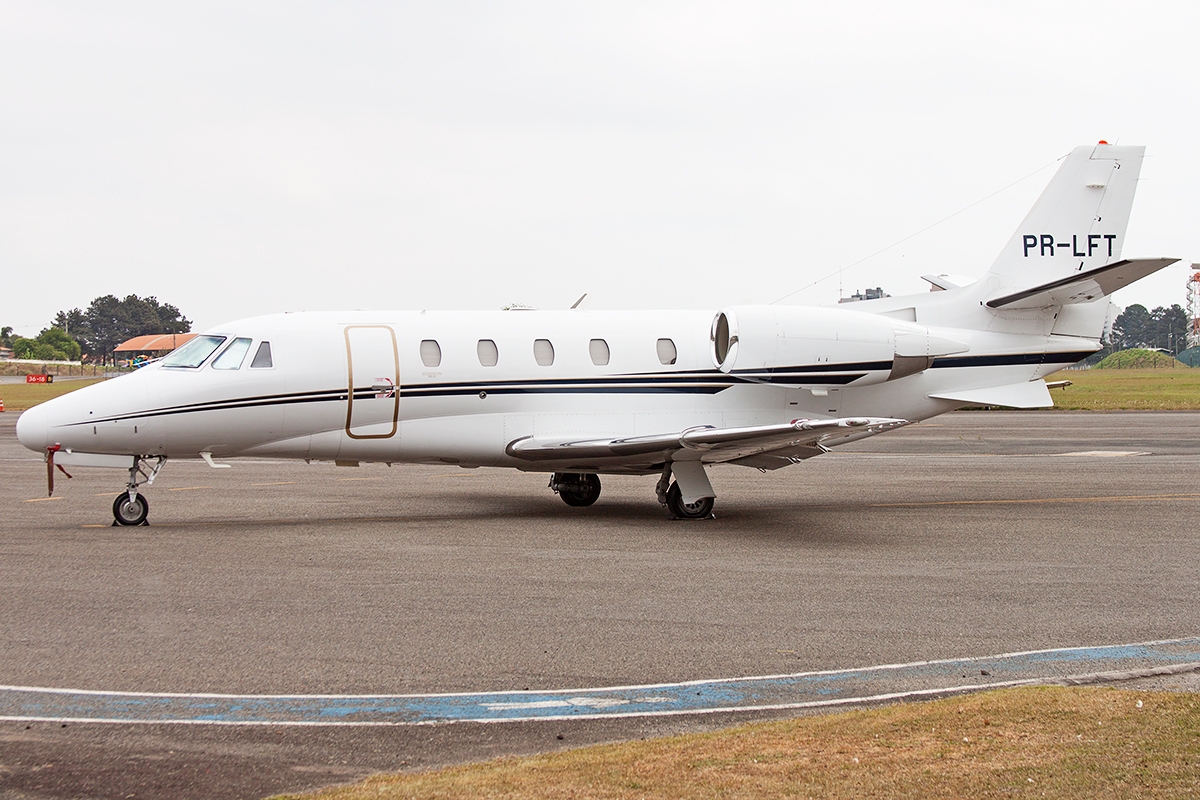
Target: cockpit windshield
<point>233,356</point>
<point>194,353</point>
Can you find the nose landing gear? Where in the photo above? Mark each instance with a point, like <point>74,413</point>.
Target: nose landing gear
<point>131,508</point>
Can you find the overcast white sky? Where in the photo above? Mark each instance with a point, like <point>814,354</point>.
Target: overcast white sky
<point>245,158</point>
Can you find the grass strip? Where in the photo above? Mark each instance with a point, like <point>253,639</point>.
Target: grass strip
<point>1027,742</point>
<point>20,396</point>
<point>1128,390</point>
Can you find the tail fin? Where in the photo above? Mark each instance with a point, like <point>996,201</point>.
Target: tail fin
<point>1079,222</point>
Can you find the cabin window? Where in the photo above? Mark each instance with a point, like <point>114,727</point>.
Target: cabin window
<point>666,351</point>
<point>431,353</point>
<point>488,354</point>
<point>598,350</point>
<point>543,352</point>
<point>194,353</point>
<point>234,355</point>
<point>262,357</point>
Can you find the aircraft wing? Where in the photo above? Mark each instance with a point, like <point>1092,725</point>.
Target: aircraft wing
<point>1083,287</point>
<point>793,440</point>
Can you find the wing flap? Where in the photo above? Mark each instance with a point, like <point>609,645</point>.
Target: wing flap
<point>714,444</point>
<point>1083,287</point>
<point>1031,394</point>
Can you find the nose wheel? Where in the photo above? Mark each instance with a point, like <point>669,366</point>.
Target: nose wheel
<point>130,509</point>
<point>576,488</point>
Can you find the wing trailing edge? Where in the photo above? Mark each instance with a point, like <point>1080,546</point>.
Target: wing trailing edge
<point>714,445</point>
<point>1030,394</point>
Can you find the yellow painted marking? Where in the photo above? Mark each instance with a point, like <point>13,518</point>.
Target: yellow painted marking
<point>358,479</point>
<point>96,526</point>
<point>1042,501</point>
<point>276,483</point>
<point>188,488</point>
<point>457,475</point>
<point>107,494</point>
<point>42,499</point>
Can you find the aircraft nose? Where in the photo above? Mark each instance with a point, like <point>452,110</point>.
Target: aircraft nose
<point>32,428</point>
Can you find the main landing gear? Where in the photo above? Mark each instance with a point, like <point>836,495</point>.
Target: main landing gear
<point>583,488</point>
<point>671,496</point>
<point>701,509</point>
<point>130,507</point>
<point>576,488</point>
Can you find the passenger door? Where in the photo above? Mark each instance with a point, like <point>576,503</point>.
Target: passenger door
<point>373,366</point>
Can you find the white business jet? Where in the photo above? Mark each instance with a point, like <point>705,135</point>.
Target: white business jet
<point>582,393</point>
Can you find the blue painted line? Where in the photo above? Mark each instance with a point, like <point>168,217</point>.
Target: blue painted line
<point>806,689</point>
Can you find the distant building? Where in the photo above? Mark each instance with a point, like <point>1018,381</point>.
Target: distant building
<point>867,294</point>
<point>154,346</point>
<point>6,353</point>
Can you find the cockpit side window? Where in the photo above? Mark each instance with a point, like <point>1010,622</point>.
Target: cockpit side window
<point>262,358</point>
<point>194,353</point>
<point>234,355</point>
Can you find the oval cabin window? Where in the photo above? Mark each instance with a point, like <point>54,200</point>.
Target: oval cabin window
<point>598,350</point>
<point>543,352</point>
<point>488,354</point>
<point>666,351</point>
<point>431,353</point>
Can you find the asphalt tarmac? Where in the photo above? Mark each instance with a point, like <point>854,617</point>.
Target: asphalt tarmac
<point>974,534</point>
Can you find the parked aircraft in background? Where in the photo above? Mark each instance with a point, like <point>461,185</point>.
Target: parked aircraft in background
<point>579,394</point>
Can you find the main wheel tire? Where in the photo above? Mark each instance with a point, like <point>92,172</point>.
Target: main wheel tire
<point>126,512</point>
<point>582,489</point>
<point>701,509</point>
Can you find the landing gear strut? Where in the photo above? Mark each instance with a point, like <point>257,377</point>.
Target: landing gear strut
<point>576,488</point>
<point>671,496</point>
<point>131,508</point>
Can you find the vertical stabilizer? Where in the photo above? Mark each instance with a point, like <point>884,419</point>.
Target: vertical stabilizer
<point>1078,223</point>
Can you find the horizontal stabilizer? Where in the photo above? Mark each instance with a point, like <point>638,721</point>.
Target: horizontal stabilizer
<point>715,444</point>
<point>1031,394</point>
<point>944,282</point>
<point>1083,287</point>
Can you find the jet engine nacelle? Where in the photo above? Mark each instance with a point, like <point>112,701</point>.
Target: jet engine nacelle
<point>795,346</point>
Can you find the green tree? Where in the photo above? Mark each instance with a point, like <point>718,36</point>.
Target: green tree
<point>73,323</point>
<point>60,342</point>
<point>1170,327</point>
<point>1132,328</point>
<point>6,336</point>
<point>51,344</point>
<point>22,347</point>
<point>108,321</point>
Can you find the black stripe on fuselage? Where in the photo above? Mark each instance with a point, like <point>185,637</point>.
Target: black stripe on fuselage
<point>1017,359</point>
<point>682,382</point>
<point>806,369</point>
<point>617,384</point>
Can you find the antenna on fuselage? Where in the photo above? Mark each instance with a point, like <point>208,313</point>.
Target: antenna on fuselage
<point>575,305</point>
